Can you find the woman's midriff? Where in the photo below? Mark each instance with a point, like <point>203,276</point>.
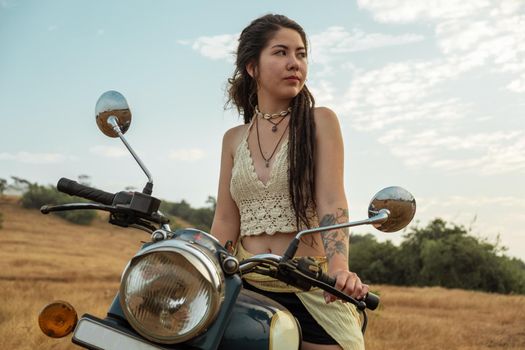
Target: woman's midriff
<point>277,243</point>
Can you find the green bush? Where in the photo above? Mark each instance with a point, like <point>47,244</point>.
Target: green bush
<point>438,255</point>
<point>35,196</point>
<point>374,261</point>
<point>201,218</point>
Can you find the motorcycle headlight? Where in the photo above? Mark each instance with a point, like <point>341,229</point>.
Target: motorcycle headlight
<point>171,291</point>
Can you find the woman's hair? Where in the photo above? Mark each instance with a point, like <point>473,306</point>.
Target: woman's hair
<point>242,92</point>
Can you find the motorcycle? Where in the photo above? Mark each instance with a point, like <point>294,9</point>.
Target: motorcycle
<point>183,289</point>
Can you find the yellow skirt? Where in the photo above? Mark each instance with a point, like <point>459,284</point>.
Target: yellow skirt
<point>340,320</point>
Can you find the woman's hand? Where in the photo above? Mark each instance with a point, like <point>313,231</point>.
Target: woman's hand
<point>349,283</point>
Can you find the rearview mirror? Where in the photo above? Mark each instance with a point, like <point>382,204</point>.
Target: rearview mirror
<point>399,202</point>
<point>112,104</point>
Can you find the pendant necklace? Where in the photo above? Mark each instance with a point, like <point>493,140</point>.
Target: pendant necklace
<point>267,160</point>
<point>269,117</point>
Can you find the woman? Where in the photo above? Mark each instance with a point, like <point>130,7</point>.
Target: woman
<point>280,172</point>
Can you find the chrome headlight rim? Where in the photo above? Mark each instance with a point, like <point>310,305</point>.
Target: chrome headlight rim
<point>203,261</point>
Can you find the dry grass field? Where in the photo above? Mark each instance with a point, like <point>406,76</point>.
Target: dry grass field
<point>44,258</point>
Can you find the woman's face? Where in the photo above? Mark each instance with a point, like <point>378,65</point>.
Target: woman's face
<point>282,67</point>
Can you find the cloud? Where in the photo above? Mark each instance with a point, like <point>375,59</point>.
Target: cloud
<point>35,158</point>
<point>426,205</point>
<point>334,41</point>
<point>517,85</point>
<point>187,155</point>
<point>323,91</point>
<point>337,41</point>
<point>497,41</point>
<point>109,151</point>
<point>470,34</point>
<point>485,153</point>
<point>400,93</point>
<point>217,47</point>
<point>397,11</point>
<point>410,104</point>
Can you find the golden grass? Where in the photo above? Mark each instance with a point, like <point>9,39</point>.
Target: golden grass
<point>44,258</point>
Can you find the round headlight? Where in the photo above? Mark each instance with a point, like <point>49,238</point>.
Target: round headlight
<point>171,291</point>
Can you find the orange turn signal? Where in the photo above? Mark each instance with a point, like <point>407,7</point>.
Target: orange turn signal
<point>57,319</point>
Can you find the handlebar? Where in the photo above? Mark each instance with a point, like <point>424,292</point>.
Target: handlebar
<point>127,208</point>
<point>285,270</point>
<point>73,188</point>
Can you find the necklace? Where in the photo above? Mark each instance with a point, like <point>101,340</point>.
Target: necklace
<point>267,160</point>
<point>269,117</point>
<point>274,127</point>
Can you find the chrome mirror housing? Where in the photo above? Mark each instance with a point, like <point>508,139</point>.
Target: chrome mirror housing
<point>112,110</point>
<point>399,202</point>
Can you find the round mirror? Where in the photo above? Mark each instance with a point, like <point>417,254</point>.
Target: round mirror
<point>112,103</point>
<point>399,202</point>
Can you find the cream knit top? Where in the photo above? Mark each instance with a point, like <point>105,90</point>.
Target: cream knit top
<point>263,208</point>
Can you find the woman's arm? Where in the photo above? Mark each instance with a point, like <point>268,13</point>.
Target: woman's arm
<point>226,221</point>
<point>332,207</point>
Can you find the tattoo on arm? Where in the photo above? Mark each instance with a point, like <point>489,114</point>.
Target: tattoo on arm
<point>335,241</point>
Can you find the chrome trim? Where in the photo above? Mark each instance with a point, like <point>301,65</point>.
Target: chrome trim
<point>95,334</point>
<point>204,262</point>
<point>159,235</point>
<point>380,217</point>
<point>113,122</point>
<point>190,251</point>
<point>246,265</point>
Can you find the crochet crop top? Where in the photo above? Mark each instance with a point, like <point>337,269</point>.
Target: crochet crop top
<point>263,208</point>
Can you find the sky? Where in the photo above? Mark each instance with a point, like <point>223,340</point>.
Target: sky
<point>430,96</point>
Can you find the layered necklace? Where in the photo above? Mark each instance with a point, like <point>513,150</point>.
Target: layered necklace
<point>269,117</point>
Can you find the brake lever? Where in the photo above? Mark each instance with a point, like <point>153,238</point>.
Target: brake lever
<point>120,216</point>
<point>293,275</point>
<point>46,209</point>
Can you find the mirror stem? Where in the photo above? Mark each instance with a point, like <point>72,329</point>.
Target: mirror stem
<point>379,218</point>
<point>112,120</point>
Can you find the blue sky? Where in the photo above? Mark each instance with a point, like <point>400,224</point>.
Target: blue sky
<point>431,97</point>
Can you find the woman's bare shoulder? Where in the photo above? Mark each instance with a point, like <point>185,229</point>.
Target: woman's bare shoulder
<point>232,137</point>
<point>326,120</point>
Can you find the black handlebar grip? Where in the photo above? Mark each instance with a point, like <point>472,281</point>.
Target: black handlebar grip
<point>73,188</point>
<point>326,279</point>
<point>371,300</point>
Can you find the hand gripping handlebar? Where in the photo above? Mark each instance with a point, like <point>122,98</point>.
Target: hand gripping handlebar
<point>371,300</point>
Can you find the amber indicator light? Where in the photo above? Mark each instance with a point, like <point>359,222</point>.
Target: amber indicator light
<point>57,319</point>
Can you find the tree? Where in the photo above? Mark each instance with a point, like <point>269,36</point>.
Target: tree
<point>3,186</point>
<point>374,262</point>
<point>19,184</point>
<point>439,254</point>
<point>83,179</point>
<point>212,201</point>
<point>446,255</point>
<point>200,218</point>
